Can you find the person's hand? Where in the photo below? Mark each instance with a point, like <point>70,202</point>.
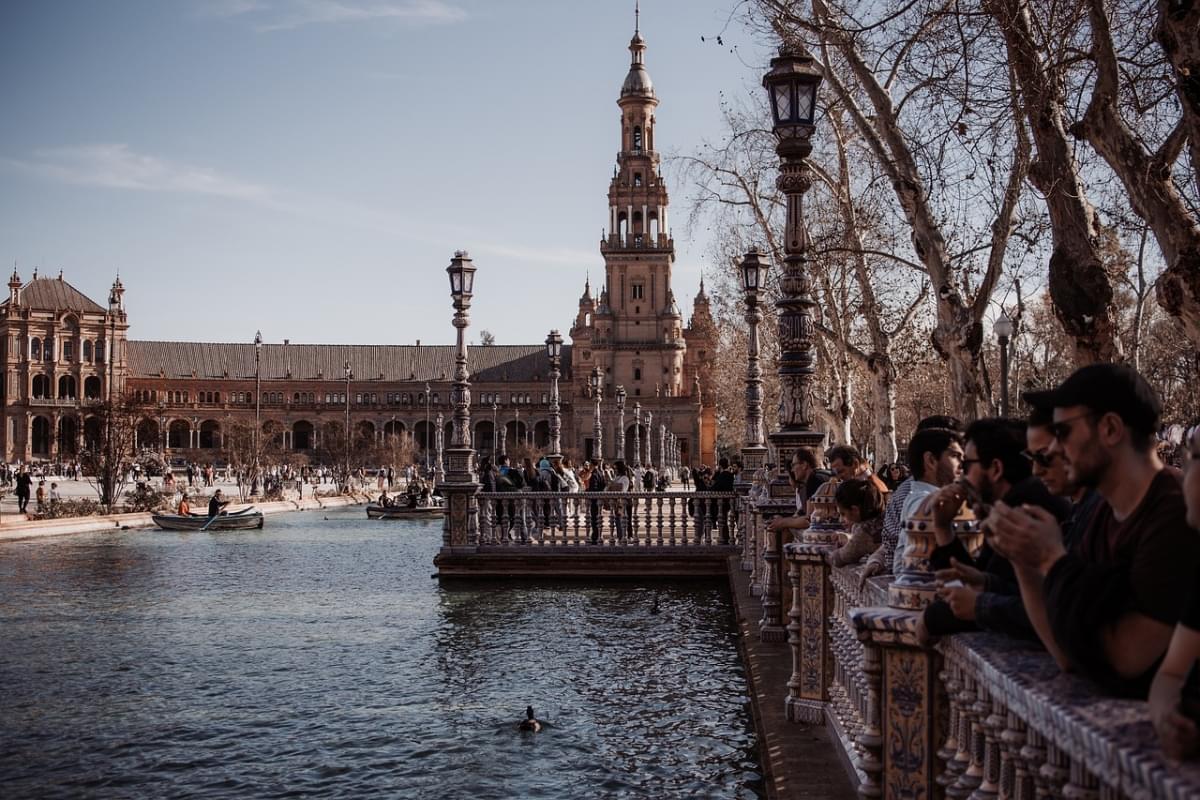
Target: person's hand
<point>1027,536</point>
<point>1176,733</point>
<point>945,504</point>
<point>970,576</point>
<point>783,523</point>
<point>924,637</point>
<point>870,570</point>
<point>961,600</point>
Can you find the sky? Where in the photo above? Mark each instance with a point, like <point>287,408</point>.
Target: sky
<point>307,168</point>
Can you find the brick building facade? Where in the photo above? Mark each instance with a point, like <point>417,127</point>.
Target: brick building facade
<point>63,352</point>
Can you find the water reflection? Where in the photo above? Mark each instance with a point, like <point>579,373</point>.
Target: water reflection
<point>316,657</point>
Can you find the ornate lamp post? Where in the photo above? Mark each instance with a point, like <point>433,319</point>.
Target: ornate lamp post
<point>257,409</point>
<point>1003,328</point>
<point>620,441</point>
<point>792,86</point>
<point>754,452</point>
<point>596,381</point>
<point>554,353</point>
<point>663,459</point>
<point>637,434</point>
<point>495,433</point>
<point>518,439</point>
<point>349,374</point>
<point>649,419</point>
<point>438,437</point>
<point>425,443</point>
<point>459,486</point>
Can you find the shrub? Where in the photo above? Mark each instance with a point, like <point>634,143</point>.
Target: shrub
<point>74,507</point>
<point>143,498</point>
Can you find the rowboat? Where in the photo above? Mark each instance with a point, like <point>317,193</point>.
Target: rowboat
<point>375,511</point>
<point>246,519</point>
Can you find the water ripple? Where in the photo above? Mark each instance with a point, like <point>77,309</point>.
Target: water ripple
<point>316,658</point>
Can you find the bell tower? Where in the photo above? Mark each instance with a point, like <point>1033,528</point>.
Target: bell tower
<point>645,328</point>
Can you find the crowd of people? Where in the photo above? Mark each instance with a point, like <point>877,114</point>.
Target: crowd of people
<point>1091,542</point>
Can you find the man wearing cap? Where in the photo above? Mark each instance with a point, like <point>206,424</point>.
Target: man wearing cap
<point>1108,607</point>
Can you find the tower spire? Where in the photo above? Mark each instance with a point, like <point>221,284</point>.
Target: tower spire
<point>637,13</point>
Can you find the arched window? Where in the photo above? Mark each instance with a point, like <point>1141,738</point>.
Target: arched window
<point>637,373</point>
<point>87,350</point>
<point>48,349</point>
<point>66,387</point>
<point>637,138</point>
<point>100,347</point>
<point>35,349</point>
<point>41,386</point>
<point>637,179</point>
<point>68,350</point>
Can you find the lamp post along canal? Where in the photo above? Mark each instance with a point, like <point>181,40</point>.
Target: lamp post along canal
<point>637,434</point>
<point>459,486</point>
<point>1003,328</point>
<point>620,432</point>
<point>554,353</point>
<point>754,452</point>
<point>439,471</point>
<point>346,465</point>
<point>649,462</point>
<point>791,86</point>
<point>596,380</point>
<point>495,433</point>
<point>254,482</point>
<point>425,442</point>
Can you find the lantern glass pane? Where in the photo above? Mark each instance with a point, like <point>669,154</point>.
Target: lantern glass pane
<point>468,281</point>
<point>807,97</point>
<point>455,282</point>
<point>783,102</point>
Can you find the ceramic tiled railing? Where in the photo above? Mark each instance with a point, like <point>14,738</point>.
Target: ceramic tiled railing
<point>977,716</point>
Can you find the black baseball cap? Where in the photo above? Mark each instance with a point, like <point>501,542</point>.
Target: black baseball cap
<point>1104,388</point>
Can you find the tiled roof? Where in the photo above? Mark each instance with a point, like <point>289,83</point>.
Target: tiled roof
<point>55,294</point>
<point>397,362</point>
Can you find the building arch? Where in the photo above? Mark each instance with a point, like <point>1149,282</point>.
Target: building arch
<point>68,436</point>
<point>485,436</point>
<point>423,434</point>
<point>66,387</point>
<point>35,349</point>
<point>87,351</point>
<point>302,435</point>
<point>515,432</point>
<point>364,432</point>
<point>40,433</point>
<point>272,432</point>
<point>91,387</point>
<point>393,428</point>
<point>541,434</point>
<point>92,433</point>
<point>41,386</point>
<point>210,434</point>
<point>147,433</point>
<point>179,434</point>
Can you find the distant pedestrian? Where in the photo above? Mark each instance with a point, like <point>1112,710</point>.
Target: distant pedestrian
<point>24,485</point>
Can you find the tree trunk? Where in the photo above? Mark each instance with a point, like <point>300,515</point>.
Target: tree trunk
<point>1178,33</point>
<point>1079,284</point>
<point>1146,177</point>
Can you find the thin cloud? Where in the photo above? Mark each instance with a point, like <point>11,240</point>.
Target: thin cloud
<point>282,15</point>
<point>115,166</point>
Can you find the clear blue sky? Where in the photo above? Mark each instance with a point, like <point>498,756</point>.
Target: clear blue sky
<point>309,167</point>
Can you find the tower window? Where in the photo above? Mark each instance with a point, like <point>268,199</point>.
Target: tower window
<point>637,179</point>
<point>637,138</point>
<point>637,373</point>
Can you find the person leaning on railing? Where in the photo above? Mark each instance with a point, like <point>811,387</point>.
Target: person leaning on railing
<point>1109,607</point>
<point>806,478</point>
<point>861,507</point>
<point>1175,693</point>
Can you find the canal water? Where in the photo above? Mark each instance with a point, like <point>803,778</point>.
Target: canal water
<point>317,658</point>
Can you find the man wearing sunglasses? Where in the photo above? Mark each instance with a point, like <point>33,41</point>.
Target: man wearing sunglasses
<point>1050,467</point>
<point>1108,608</point>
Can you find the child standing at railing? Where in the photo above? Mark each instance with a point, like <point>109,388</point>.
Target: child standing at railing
<point>861,506</point>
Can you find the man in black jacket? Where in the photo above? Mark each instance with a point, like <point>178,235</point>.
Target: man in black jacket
<point>24,484</point>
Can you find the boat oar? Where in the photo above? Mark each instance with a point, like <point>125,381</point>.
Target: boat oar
<point>210,522</point>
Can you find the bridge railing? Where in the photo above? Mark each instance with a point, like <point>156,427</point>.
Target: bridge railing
<point>628,519</point>
<point>978,715</point>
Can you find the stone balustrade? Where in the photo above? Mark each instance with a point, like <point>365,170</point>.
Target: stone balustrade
<point>976,716</point>
<point>660,519</point>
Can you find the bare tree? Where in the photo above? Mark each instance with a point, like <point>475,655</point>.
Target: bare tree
<point>107,455</point>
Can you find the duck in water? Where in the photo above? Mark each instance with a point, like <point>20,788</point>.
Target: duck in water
<point>530,723</point>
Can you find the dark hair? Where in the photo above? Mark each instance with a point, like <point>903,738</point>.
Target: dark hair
<point>929,440</point>
<point>1040,417</point>
<point>723,463</point>
<point>861,494</point>
<point>1001,439</point>
<point>845,453</point>
<point>502,460</point>
<point>806,455</point>
<point>941,421</point>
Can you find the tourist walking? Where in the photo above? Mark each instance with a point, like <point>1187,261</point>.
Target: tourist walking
<point>24,485</point>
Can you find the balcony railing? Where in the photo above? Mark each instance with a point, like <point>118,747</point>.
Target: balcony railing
<point>629,519</point>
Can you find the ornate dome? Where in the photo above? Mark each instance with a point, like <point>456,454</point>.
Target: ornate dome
<point>638,80</point>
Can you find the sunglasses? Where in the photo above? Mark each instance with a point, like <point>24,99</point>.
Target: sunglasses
<point>1061,430</point>
<point>1039,458</point>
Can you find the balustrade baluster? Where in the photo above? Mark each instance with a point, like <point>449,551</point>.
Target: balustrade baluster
<point>1033,753</point>
<point>970,774</point>
<point>992,724</point>
<point>1056,771</point>
<point>660,520</point>
<point>1082,784</point>
<point>1015,783</point>
<point>485,520</point>
<point>870,741</point>
<point>951,678</point>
